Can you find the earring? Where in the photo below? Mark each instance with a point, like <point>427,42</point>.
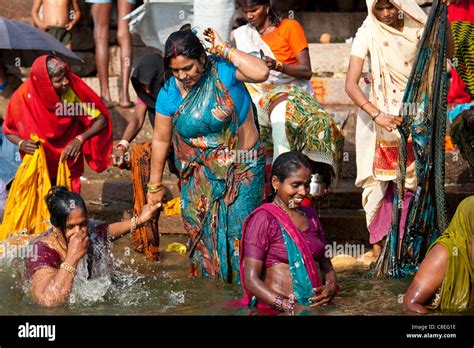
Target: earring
<point>268,11</point>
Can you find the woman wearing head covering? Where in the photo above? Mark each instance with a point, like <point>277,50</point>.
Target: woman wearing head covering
<point>285,102</point>
<point>64,112</point>
<point>445,279</point>
<point>204,110</point>
<point>389,37</point>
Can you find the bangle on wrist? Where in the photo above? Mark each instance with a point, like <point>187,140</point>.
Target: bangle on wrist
<point>68,268</point>
<point>376,115</point>
<point>20,143</point>
<point>80,138</point>
<point>124,143</point>
<point>278,303</point>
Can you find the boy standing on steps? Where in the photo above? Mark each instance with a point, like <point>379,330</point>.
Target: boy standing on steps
<point>57,19</point>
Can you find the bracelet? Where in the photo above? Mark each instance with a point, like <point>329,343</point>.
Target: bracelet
<point>20,143</point>
<point>278,303</point>
<point>279,66</point>
<point>367,102</point>
<point>68,268</point>
<point>124,143</point>
<point>153,188</point>
<point>376,115</point>
<point>80,138</point>
<point>330,283</point>
<point>133,224</point>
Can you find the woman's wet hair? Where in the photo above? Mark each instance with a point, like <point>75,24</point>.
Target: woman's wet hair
<point>183,42</point>
<point>275,18</point>
<point>55,66</point>
<point>285,166</point>
<point>61,202</point>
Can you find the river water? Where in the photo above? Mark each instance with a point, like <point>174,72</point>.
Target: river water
<point>164,288</point>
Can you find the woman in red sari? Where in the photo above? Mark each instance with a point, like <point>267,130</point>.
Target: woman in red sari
<point>62,110</point>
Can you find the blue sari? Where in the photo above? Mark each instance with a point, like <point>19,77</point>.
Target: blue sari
<point>220,185</point>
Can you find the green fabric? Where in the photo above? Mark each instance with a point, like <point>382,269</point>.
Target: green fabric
<point>61,34</point>
<point>456,292</point>
<point>302,287</point>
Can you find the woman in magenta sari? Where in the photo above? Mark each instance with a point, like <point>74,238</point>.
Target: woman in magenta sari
<point>282,258</point>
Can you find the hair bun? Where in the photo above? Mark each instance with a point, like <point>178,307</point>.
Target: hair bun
<point>186,27</point>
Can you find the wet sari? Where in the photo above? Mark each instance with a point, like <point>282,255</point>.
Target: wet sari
<point>220,185</point>
<point>426,218</point>
<point>303,269</point>
<point>456,292</point>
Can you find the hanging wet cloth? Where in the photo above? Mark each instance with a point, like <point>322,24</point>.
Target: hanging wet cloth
<point>146,238</point>
<point>426,89</point>
<point>26,211</point>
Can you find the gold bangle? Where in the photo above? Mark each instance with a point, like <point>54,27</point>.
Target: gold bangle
<point>155,190</point>
<point>133,222</point>
<point>68,268</point>
<point>20,143</point>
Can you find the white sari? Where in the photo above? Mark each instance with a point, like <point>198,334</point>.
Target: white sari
<point>392,54</point>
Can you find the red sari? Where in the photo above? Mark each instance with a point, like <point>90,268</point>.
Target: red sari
<point>33,109</point>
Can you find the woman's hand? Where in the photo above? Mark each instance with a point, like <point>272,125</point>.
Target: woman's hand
<point>28,146</point>
<point>271,63</point>
<point>118,157</point>
<point>388,122</point>
<point>213,38</point>
<point>77,246</point>
<point>156,197</point>
<point>324,295</point>
<point>72,150</point>
<point>148,211</point>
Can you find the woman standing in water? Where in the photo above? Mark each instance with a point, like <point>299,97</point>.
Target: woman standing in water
<point>204,110</point>
<point>283,258</point>
<point>390,37</point>
<point>59,250</point>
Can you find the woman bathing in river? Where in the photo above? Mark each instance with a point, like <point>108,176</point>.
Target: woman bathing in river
<point>60,249</point>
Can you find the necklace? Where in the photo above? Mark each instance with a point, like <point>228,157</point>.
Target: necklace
<point>263,31</point>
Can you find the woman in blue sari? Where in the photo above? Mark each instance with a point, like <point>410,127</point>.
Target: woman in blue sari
<point>204,110</point>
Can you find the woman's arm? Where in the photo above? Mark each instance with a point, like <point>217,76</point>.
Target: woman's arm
<point>427,280</point>
<point>161,142</point>
<point>118,229</point>
<point>326,292</point>
<point>249,68</point>
<point>254,283</point>
<point>354,72</point>
<point>51,287</point>
<point>300,71</point>
<point>73,149</point>
<point>133,127</point>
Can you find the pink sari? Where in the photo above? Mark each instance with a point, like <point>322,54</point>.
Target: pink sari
<point>296,237</point>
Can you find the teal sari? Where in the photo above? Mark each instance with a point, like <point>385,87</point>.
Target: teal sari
<point>220,185</point>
